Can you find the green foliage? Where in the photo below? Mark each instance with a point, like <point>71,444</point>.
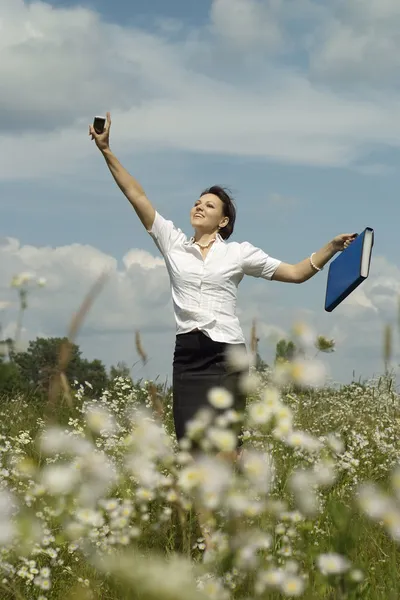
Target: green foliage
<point>366,417</point>
<point>285,351</point>
<point>121,369</point>
<point>260,365</point>
<point>33,369</point>
<point>324,345</point>
<point>11,382</point>
<point>108,506</point>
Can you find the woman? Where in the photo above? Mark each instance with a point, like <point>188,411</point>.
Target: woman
<point>205,272</point>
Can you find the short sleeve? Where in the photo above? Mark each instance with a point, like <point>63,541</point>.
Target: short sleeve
<point>164,233</point>
<point>256,262</point>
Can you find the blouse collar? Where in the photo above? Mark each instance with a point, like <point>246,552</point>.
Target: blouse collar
<point>218,238</point>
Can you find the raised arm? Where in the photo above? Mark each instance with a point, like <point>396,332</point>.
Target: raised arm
<point>127,184</point>
<point>304,270</point>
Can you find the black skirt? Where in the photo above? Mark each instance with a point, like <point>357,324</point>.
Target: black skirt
<point>200,364</point>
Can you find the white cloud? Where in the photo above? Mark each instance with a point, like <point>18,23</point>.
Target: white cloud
<point>165,94</point>
<point>246,24</point>
<point>356,302</point>
<point>136,295</point>
<point>360,43</point>
<point>142,258</point>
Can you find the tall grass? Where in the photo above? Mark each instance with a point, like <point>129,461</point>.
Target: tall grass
<point>112,531</point>
<point>98,501</point>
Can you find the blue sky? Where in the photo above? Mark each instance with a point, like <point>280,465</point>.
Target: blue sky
<point>292,105</point>
<point>145,12</point>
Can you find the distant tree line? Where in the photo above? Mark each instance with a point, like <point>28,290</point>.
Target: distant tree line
<point>32,371</point>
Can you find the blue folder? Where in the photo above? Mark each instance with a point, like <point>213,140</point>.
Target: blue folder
<point>349,269</point>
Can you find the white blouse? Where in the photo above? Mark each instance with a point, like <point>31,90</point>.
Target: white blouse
<point>204,291</point>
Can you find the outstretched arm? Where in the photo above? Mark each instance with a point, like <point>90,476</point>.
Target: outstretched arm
<point>127,184</point>
<point>304,270</point>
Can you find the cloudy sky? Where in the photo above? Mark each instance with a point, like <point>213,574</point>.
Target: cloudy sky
<point>294,104</point>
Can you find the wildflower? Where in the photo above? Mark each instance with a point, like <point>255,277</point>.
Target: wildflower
<point>119,523</point>
<point>99,471</point>
<point>285,551</point>
<point>110,505</point>
<point>332,564</point>
<point>259,413</point>
<point>99,420</point>
<point>258,466</point>
<point>356,575</point>
<point>249,383</point>
<point>291,567</point>
<point>372,501</point>
<point>335,443</point>
<point>213,588</point>
<point>280,529</point>
<point>19,281</point>
<point>237,502</point>
<point>215,477</point>
<point>232,416</point>
<point>308,373</point>
<point>26,467</point>
<point>59,479</point>
<point>220,398</point>
<point>283,413</point>
<point>196,426</point>
<point>324,472</point>
<point>272,577</point>
<point>149,437</point>
<point>172,496</point>
<point>199,544</point>
<point>190,477</point>
<point>271,398</point>
<point>300,439</point>
<point>144,495</point>
<point>302,484</point>
<point>304,334</point>
<point>246,557</point>
<point>292,585</point>
<point>282,429</point>
<point>91,517</point>
<point>41,281</point>
<point>45,584</point>
<point>224,440</point>
<point>144,471</point>
<point>55,440</point>
<point>238,358</point>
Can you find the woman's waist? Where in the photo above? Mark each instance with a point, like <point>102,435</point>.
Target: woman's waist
<point>217,335</point>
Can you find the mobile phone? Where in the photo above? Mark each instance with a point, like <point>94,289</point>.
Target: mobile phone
<point>99,124</point>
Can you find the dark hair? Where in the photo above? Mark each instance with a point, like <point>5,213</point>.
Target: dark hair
<point>229,208</point>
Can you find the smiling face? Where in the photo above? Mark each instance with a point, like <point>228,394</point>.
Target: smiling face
<point>207,215</point>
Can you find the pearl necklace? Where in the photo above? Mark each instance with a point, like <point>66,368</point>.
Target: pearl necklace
<point>204,246</point>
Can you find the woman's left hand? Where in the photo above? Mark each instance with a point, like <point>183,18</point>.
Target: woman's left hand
<point>342,241</point>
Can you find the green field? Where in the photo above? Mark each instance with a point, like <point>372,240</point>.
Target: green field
<point>97,501</point>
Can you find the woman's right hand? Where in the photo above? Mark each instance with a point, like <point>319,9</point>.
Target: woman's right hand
<point>102,140</point>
